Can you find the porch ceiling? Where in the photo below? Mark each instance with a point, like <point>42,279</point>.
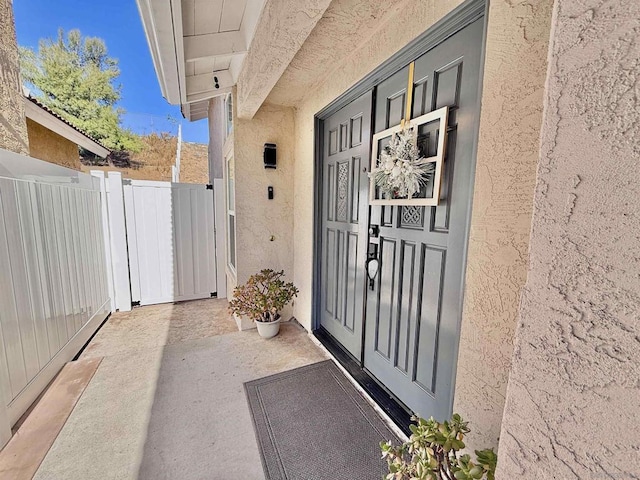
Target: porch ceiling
<point>198,46</point>
<point>345,26</point>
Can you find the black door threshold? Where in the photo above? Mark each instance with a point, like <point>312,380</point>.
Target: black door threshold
<point>399,414</point>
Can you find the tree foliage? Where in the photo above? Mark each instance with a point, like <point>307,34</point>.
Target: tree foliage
<point>75,77</point>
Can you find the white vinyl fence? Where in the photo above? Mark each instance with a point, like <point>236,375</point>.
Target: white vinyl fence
<point>53,275</point>
<point>75,247</point>
<point>163,241</point>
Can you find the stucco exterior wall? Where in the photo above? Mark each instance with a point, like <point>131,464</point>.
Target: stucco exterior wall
<point>264,232</point>
<point>508,147</point>
<point>51,147</point>
<point>572,407</point>
<point>13,128</point>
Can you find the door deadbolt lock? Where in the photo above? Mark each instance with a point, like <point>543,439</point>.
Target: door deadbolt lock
<point>374,231</point>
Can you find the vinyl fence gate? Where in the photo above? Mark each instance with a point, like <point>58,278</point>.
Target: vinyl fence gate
<point>164,240</point>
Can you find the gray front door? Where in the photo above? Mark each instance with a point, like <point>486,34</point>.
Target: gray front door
<point>346,144</point>
<point>413,309</point>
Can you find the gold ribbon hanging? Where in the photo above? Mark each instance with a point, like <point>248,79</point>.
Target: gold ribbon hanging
<point>407,110</point>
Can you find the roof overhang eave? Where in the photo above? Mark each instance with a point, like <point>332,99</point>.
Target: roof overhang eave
<point>162,23</point>
<point>51,122</point>
<point>195,111</point>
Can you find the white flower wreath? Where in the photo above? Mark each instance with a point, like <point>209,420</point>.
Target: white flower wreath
<point>400,170</point>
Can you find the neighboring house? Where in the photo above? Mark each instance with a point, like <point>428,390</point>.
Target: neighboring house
<point>533,244</point>
<point>27,126</point>
<point>54,139</point>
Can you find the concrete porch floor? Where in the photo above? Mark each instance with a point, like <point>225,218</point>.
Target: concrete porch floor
<point>167,401</point>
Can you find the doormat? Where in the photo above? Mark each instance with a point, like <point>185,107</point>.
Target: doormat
<point>312,424</point>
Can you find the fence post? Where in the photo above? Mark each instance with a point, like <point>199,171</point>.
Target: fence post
<point>119,255</point>
<point>220,222</point>
<point>5,397</point>
<point>106,236</point>
<point>132,242</point>
<point>6,303</point>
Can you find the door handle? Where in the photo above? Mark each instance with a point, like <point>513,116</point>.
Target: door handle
<point>372,267</point>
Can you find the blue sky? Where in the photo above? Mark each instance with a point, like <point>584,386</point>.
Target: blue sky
<point>118,23</point>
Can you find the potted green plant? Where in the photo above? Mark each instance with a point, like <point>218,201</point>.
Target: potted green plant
<point>262,298</point>
<point>433,453</point>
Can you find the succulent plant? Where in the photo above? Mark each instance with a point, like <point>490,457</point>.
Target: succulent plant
<point>263,296</point>
<point>433,453</point>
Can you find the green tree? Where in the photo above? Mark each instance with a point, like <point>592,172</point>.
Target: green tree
<point>74,76</point>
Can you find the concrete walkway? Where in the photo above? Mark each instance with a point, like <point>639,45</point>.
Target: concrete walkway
<point>167,400</point>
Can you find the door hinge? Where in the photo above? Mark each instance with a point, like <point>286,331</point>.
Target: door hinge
<point>214,294</point>
<point>209,186</point>
<point>136,303</point>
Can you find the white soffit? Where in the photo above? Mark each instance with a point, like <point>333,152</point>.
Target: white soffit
<point>165,44</point>
<point>196,110</point>
<point>196,42</point>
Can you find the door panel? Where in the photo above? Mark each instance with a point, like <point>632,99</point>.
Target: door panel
<point>391,100</point>
<point>344,222</point>
<point>413,309</point>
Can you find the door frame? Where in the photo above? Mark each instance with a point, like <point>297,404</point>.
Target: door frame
<point>459,18</point>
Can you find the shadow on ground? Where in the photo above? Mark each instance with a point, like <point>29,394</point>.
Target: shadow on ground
<point>167,401</point>
<point>200,425</point>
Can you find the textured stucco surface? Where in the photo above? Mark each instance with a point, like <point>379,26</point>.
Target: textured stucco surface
<point>51,147</point>
<point>13,128</point>
<point>353,22</point>
<point>508,146</point>
<point>264,228</point>
<point>282,28</point>
<point>573,409</point>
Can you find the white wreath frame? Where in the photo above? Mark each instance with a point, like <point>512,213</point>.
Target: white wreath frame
<point>442,114</point>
